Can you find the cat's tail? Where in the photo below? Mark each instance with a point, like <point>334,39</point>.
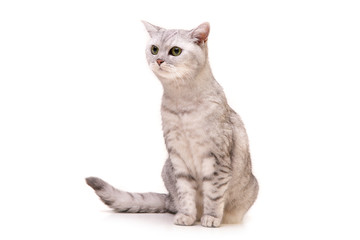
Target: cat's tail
<point>127,202</point>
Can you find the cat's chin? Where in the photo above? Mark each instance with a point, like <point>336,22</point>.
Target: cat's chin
<point>164,75</point>
<point>169,74</point>
<point>163,72</point>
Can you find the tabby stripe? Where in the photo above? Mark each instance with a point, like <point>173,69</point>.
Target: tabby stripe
<point>208,178</point>
<point>172,151</point>
<point>216,159</point>
<point>218,162</point>
<point>141,210</point>
<point>124,210</point>
<point>108,202</point>
<point>221,185</point>
<point>225,166</point>
<point>132,196</point>
<point>184,175</point>
<point>223,171</point>
<point>182,112</point>
<point>214,199</point>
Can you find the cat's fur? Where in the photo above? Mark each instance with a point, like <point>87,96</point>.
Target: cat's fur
<point>208,171</point>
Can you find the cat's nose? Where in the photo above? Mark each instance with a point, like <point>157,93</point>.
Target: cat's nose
<point>159,61</point>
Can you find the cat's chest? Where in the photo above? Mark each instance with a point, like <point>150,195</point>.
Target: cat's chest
<point>187,135</point>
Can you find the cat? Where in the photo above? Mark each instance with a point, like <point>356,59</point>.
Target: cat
<point>208,173</point>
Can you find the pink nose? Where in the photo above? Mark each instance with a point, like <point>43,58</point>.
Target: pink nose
<point>159,61</point>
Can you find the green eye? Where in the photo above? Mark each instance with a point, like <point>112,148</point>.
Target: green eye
<point>175,51</point>
<point>154,49</point>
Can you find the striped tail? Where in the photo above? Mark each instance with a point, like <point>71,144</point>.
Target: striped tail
<point>126,202</point>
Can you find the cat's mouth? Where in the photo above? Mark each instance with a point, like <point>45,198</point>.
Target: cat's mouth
<point>163,68</point>
<point>166,71</point>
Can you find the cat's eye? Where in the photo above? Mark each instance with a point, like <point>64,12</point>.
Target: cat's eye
<point>154,49</point>
<point>175,51</point>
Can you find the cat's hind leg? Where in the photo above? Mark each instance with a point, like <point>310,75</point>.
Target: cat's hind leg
<point>239,203</point>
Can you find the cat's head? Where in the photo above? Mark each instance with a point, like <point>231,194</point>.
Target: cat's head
<point>174,54</point>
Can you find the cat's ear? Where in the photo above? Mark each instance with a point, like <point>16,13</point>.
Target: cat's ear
<point>152,29</point>
<point>201,33</point>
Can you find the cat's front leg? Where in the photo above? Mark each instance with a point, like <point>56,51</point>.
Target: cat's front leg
<point>217,174</point>
<point>186,193</point>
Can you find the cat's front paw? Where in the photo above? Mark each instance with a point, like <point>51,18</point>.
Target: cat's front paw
<point>210,221</point>
<point>185,220</point>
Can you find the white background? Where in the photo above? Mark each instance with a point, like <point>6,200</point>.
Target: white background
<point>77,99</point>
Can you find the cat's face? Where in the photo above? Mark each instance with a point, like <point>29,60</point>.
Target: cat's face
<point>175,55</point>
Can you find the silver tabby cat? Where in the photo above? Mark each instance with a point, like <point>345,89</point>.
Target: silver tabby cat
<point>208,171</point>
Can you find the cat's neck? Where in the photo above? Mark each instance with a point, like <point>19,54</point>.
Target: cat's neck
<point>191,88</point>
<point>187,97</point>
